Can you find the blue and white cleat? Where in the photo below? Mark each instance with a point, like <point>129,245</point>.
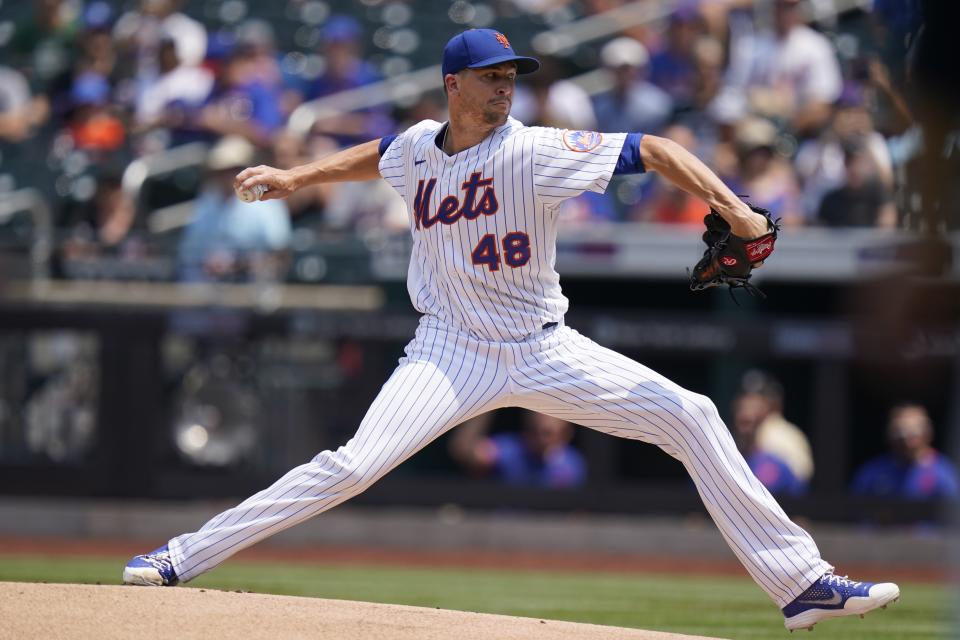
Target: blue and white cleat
<point>835,596</point>
<point>154,569</point>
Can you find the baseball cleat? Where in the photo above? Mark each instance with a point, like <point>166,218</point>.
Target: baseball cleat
<point>154,569</point>
<point>835,596</point>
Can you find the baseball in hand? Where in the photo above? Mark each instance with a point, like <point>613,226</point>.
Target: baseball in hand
<point>252,194</point>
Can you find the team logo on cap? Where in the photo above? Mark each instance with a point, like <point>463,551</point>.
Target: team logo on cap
<point>582,140</point>
<point>502,39</point>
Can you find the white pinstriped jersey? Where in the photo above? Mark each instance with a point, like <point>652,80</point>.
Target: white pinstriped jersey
<point>484,221</point>
<point>484,228</point>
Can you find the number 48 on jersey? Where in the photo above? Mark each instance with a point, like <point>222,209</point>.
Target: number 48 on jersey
<point>516,250</point>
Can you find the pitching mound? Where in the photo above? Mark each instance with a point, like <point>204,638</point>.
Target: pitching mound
<point>86,611</point>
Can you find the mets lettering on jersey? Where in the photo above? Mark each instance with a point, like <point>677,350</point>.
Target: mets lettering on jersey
<point>488,268</point>
<point>450,208</point>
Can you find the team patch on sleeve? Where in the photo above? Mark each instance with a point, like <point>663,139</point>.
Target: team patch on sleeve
<point>582,140</point>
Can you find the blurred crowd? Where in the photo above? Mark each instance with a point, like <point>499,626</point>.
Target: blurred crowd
<point>805,119</point>
<point>805,125</point>
<point>780,456</point>
<point>540,450</point>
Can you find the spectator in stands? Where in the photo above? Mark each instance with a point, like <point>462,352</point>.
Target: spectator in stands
<point>548,99</point>
<point>749,412</point>
<point>541,455</point>
<point>240,104</point>
<point>707,75</point>
<point>820,162</point>
<point>632,103</point>
<point>94,56</point>
<point>257,35</point>
<point>777,435</point>
<point>709,111</point>
<point>93,120</point>
<point>764,177</point>
<point>103,226</point>
<point>790,75</point>
<point>228,240</point>
<point>913,469</point>
<point>20,112</point>
<point>670,204</point>
<point>863,200</point>
<point>96,48</point>
<point>139,33</point>
<point>342,49</point>
<point>177,92</point>
<point>673,68</point>
<point>91,53</point>
<point>43,46</point>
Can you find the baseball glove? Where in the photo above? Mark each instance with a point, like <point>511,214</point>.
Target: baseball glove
<point>729,259</point>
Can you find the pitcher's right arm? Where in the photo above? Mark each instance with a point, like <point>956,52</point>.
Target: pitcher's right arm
<point>357,163</point>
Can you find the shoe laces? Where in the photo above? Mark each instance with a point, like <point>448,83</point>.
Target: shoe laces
<point>840,581</point>
<point>160,561</point>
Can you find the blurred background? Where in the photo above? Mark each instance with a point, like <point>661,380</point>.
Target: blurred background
<point>164,347</point>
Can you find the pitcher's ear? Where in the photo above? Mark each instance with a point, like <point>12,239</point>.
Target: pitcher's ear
<point>451,83</point>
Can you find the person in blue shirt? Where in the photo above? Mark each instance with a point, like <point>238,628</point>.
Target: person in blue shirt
<point>913,469</point>
<point>240,103</point>
<point>632,103</point>
<point>346,69</point>
<point>672,68</point>
<point>750,409</point>
<point>228,240</point>
<point>540,455</point>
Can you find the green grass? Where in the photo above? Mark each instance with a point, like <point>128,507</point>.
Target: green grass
<point>725,607</point>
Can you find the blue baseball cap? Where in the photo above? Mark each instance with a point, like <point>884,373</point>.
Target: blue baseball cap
<point>478,48</point>
<point>98,15</point>
<point>90,88</point>
<point>342,28</point>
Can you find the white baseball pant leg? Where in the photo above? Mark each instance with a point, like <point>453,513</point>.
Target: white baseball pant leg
<point>445,379</point>
<point>571,377</point>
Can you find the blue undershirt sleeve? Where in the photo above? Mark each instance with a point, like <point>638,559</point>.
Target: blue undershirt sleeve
<point>630,160</point>
<point>385,143</point>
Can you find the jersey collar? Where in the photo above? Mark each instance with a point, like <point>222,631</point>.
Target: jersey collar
<point>438,156</point>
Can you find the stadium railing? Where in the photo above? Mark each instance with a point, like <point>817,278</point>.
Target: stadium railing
<point>32,241</point>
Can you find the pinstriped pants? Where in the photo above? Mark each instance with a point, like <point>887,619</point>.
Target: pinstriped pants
<point>448,376</point>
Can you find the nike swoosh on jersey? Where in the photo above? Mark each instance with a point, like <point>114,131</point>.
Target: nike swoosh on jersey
<point>419,161</point>
<point>836,599</point>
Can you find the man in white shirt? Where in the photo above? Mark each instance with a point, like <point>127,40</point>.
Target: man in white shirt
<point>791,74</point>
<point>184,85</point>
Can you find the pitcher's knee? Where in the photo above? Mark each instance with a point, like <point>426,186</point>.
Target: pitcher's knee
<point>702,410</point>
<point>706,405</point>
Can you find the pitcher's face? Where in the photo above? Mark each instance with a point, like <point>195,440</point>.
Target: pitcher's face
<point>484,94</point>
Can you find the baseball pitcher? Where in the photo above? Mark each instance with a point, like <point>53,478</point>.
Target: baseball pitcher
<point>483,192</point>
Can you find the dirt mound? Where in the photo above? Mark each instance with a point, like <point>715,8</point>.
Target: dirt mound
<point>85,611</point>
